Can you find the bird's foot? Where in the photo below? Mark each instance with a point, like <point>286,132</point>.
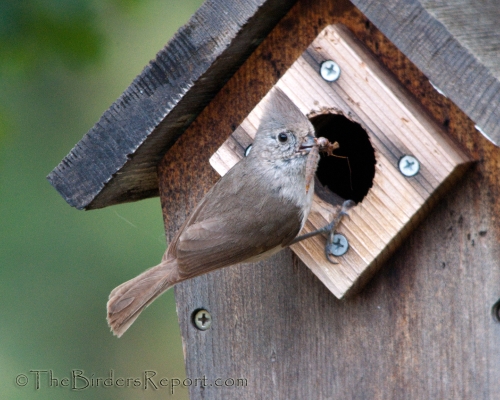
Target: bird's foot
<point>331,243</point>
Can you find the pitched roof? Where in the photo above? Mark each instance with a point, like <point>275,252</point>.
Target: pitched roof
<point>116,160</point>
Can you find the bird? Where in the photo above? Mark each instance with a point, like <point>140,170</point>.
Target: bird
<point>255,210</point>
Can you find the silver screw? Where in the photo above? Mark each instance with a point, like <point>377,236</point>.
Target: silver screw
<point>329,70</point>
<point>408,165</point>
<point>495,311</point>
<point>339,246</point>
<point>247,150</point>
<point>202,320</point>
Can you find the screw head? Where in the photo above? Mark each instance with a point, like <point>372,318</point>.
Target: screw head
<point>247,150</point>
<point>329,70</point>
<point>408,165</point>
<point>339,246</point>
<point>202,319</point>
<point>495,311</point>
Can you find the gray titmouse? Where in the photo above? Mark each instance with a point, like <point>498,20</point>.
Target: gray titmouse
<point>256,209</point>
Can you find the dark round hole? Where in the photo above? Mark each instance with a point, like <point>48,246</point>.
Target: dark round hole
<point>350,175</point>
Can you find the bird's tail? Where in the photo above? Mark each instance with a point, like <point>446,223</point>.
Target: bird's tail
<point>128,300</point>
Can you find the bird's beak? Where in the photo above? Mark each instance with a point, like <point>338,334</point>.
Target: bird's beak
<point>308,143</point>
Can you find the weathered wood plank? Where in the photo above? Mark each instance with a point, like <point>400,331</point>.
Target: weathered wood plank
<point>474,24</point>
<point>422,326</point>
<point>116,160</point>
<point>444,56</point>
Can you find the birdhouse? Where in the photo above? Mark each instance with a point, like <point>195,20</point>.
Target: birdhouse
<point>410,92</point>
<point>400,158</point>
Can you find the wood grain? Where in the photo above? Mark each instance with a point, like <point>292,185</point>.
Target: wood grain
<point>116,160</point>
<point>420,329</point>
<point>459,57</point>
<point>396,126</point>
<point>474,24</point>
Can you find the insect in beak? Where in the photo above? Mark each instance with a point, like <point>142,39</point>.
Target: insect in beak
<point>312,151</point>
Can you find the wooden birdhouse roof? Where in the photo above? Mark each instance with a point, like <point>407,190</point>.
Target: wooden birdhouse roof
<point>116,160</point>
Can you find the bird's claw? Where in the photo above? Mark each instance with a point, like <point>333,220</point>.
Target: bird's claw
<point>330,228</point>
<point>327,255</point>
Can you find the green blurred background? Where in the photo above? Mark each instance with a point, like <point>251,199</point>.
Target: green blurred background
<point>62,63</point>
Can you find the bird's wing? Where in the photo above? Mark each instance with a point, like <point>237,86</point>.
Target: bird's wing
<point>237,220</point>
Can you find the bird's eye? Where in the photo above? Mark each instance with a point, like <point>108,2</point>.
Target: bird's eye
<point>282,137</point>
